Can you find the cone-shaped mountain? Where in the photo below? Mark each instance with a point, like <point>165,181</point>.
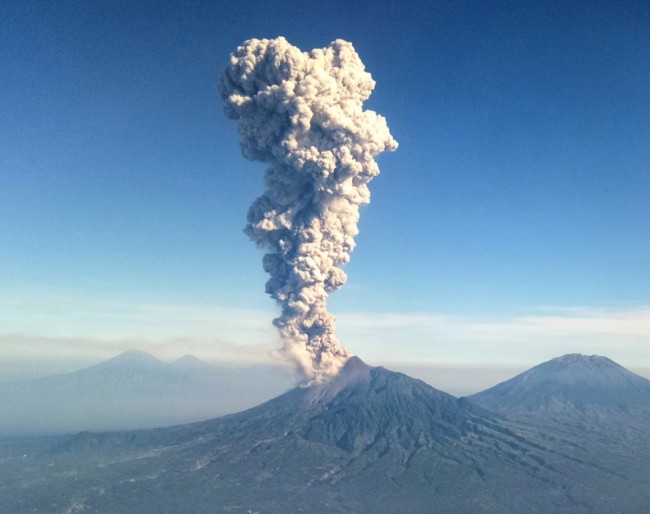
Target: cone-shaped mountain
<point>569,384</point>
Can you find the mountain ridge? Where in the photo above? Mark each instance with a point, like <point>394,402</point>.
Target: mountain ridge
<point>132,390</point>
<point>369,440</point>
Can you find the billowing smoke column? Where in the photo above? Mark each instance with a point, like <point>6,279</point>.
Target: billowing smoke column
<point>302,114</point>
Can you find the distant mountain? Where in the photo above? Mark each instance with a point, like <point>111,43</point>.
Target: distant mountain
<point>571,385</point>
<point>190,363</point>
<point>369,440</point>
<point>133,390</point>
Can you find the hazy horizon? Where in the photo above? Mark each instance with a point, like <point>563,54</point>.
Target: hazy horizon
<point>459,380</point>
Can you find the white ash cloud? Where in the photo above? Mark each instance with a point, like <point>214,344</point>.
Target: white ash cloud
<point>302,114</point>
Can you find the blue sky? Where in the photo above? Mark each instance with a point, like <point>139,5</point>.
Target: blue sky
<point>511,225</point>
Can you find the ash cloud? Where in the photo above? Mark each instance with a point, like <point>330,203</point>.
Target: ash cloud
<point>302,114</point>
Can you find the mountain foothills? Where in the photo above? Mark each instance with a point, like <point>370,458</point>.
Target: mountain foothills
<point>554,439</point>
<point>134,390</point>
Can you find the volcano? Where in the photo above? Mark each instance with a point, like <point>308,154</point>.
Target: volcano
<point>368,440</point>
<point>570,385</point>
<point>133,390</point>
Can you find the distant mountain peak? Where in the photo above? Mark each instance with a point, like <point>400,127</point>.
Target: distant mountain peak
<point>135,355</point>
<point>187,358</point>
<point>192,363</point>
<point>572,383</point>
<point>575,368</point>
<point>133,390</point>
<point>133,358</point>
<point>572,359</point>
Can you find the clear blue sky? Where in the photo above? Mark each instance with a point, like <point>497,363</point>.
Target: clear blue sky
<point>516,204</point>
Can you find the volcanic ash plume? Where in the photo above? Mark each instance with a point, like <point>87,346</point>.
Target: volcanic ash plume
<point>302,114</point>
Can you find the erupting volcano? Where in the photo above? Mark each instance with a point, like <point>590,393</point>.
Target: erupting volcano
<point>302,114</point>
